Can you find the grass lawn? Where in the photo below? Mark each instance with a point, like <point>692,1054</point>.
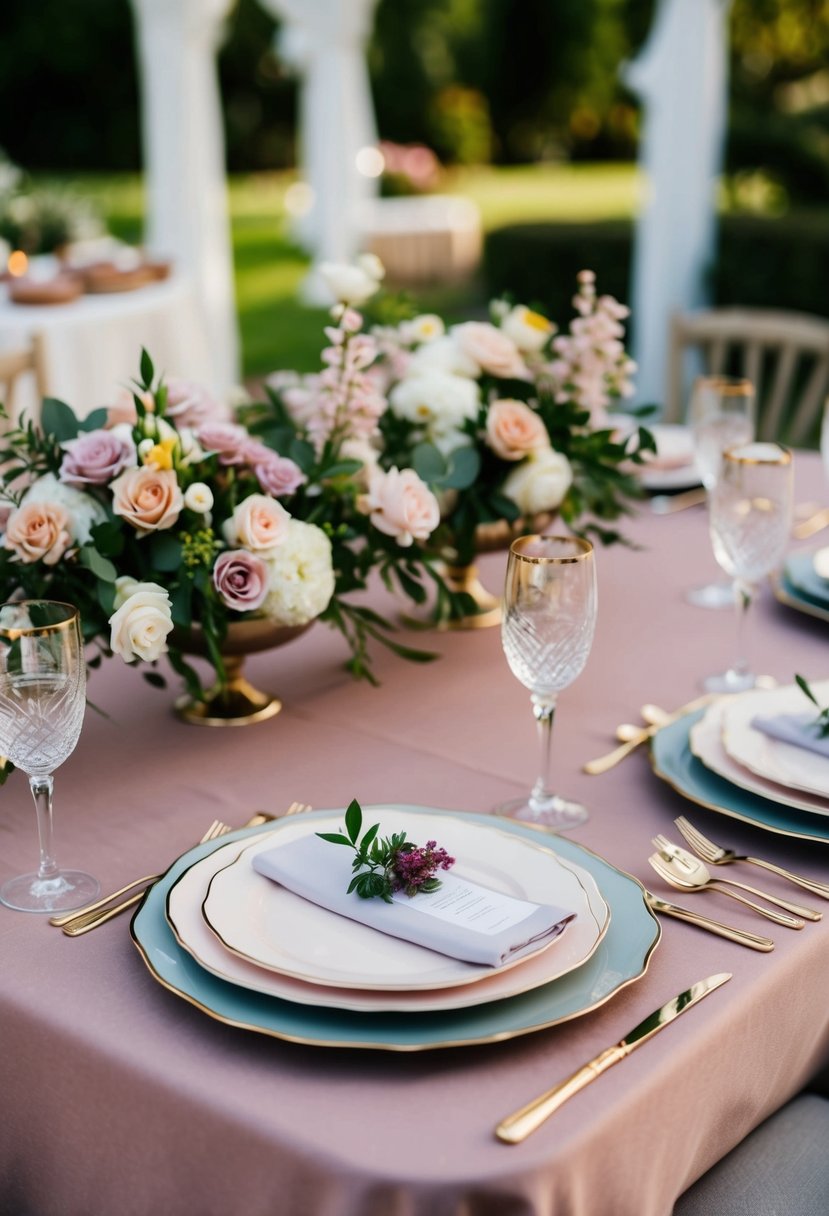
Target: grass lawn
<point>276,331</point>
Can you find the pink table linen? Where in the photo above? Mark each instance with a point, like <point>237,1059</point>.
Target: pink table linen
<point>119,1097</point>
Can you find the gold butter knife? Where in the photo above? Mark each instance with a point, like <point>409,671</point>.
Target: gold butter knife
<point>518,1126</point>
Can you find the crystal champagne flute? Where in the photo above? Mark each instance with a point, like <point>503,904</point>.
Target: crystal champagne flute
<point>751,517</point>
<point>549,618</point>
<point>42,703</point>
<point>721,414</point>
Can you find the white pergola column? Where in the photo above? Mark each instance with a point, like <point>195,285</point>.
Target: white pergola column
<point>681,78</point>
<point>325,42</point>
<point>188,217</point>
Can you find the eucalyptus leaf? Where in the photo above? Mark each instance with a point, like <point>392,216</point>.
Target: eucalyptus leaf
<point>58,420</point>
<point>101,567</point>
<point>95,420</point>
<point>464,467</point>
<point>429,463</point>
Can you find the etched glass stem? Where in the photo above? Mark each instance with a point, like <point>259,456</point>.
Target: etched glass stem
<point>743,598</point>
<point>544,711</point>
<point>42,788</point>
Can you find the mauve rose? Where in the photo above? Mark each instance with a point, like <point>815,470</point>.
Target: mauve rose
<point>401,505</point>
<point>226,439</point>
<point>96,458</point>
<point>190,404</point>
<point>241,579</point>
<point>258,522</point>
<point>513,430</point>
<point>149,499</point>
<point>39,531</point>
<point>277,475</point>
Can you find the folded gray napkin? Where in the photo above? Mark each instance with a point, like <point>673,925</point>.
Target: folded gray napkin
<point>798,729</point>
<point>461,919</point>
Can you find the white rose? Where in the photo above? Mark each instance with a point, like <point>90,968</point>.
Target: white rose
<point>540,482</point>
<point>349,284</point>
<point>529,330</point>
<point>443,355</point>
<point>84,510</point>
<point>300,575</point>
<point>139,627</point>
<point>436,401</point>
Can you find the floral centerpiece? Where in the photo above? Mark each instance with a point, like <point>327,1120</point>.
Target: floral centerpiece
<point>506,420</point>
<point>169,524</point>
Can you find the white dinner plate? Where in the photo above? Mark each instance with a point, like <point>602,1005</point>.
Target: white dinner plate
<point>674,467</point>
<point>573,948</point>
<point>707,746</point>
<point>796,768</point>
<point>275,929</point>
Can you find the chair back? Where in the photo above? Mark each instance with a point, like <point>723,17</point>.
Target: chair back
<point>17,363</point>
<point>784,354</point>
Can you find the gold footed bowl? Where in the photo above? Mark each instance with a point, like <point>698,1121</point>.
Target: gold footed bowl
<point>234,701</point>
<point>489,538</point>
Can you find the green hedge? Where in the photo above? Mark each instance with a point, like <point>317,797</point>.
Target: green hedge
<point>762,263</point>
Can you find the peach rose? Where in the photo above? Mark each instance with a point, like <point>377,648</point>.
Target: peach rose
<point>513,430</point>
<point>149,499</point>
<point>491,349</point>
<point>401,505</point>
<point>39,531</point>
<point>259,522</point>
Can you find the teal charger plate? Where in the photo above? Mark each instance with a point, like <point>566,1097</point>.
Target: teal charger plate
<point>673,761</point>
<point>622,958</point>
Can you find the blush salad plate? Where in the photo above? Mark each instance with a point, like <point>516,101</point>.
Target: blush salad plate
<point>266,924</point>
<point>571,949</point>
<point>621,958</point>
<point>673,760</point>
<point>794,768</point>
<point>707,746</point>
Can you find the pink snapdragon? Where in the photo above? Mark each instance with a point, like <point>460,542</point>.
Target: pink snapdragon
<point>347,402</point>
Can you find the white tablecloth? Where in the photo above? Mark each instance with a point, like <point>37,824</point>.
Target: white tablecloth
<point>92,346</point>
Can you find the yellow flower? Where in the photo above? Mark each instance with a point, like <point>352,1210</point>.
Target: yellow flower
<point>160,455</point>
<point>536,321</point>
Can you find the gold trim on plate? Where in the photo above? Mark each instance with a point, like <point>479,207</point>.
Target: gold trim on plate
<point>783,597</point>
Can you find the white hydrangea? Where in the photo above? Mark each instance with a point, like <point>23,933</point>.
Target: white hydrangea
<point>300,575</point>
<point>84,511</point>
<point>438,402</point>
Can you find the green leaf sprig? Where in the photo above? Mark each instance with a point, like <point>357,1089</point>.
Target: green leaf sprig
<point>393,863</point>
<point>821,722</point>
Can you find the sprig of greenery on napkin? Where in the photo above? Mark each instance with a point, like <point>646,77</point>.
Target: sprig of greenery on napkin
<point>821,722</point>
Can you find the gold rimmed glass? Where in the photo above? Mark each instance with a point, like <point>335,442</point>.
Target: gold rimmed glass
<point>549,618</point>
<point>42,703</point>
<point>750,519</point>
<point>721,414</point>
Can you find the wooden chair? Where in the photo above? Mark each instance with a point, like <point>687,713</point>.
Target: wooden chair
<point>784,354</point>
<point>17,363</point>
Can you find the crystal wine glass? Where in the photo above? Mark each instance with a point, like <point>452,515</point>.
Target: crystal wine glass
<point>721,414</point>
<point>42,703</point>
<point>751,517</point>
<point>549,618</point>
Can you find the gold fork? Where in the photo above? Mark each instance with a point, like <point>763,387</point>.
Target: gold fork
<point>716,855</point>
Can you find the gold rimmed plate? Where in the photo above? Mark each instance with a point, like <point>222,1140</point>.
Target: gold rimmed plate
<point>575,889</point>
<point>621,959</point>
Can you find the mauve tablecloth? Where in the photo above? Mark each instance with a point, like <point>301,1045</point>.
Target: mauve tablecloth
<point>119,1097</point>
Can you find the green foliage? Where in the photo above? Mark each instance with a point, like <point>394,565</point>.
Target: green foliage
<point>821,722</point>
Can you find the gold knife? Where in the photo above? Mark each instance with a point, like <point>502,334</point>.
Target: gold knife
<point>517,1127</point>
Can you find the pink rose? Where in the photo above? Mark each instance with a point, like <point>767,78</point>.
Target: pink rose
<point>149,499</point>
<point>39,531</point>
<point>226,439</point>
<point>513,430</point>
<point>401,505</point>
<point>491,349</point>
<point>241,579</point>
<point>277,475</point>
<point>259,522</point>
<point>96,458</point>
<point>190,404</point>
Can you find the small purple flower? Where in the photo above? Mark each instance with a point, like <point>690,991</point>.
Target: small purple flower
<point>96,458</point>
<point>415,867</point>
<point>241,580</point>
<point>227,440</point>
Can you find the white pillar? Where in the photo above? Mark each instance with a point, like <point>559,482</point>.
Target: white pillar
<point>325,41</point>
<point>681,77</point>
<point>188,217</point>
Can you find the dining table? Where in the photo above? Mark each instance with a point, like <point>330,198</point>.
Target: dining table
<point>120,1096</point>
